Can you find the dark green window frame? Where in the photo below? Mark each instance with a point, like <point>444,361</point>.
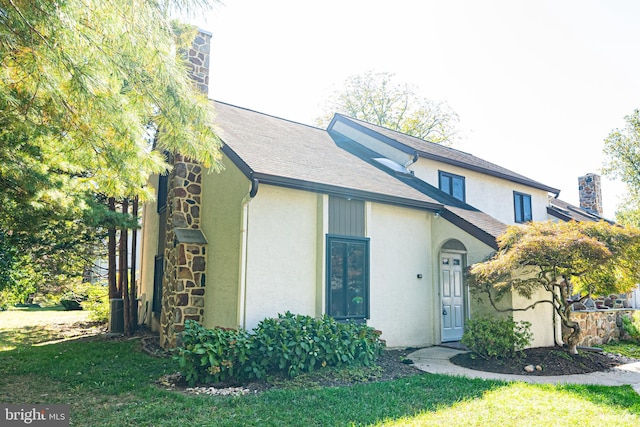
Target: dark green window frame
<point>522,207</point>
<point>452,184</point>
<point>347,277</point>
<point>158,273</point>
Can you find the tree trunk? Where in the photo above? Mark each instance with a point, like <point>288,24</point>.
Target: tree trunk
<point>124,269</point>
<point>133,316</point>
<point>111,255</point>
<point>564,310</point>
<point>574,338</point>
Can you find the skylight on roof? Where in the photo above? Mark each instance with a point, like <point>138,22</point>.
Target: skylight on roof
<point>396,167</point>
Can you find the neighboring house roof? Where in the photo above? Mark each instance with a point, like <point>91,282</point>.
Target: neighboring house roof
<point>412,145</point>
<point>566,212</point>
<point>279,152</point>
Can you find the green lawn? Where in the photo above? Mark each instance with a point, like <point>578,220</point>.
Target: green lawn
<point>111,383</point>
<point>623,348</point>
<point>26,326</point>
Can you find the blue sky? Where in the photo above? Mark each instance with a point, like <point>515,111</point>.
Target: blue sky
<point>538,84</point>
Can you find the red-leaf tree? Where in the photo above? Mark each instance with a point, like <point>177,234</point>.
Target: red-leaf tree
<point>563,259</point>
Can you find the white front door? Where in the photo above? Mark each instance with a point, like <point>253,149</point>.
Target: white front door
<point>452,296</point>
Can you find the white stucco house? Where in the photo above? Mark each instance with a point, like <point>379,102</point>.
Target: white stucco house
<point>354,221</point>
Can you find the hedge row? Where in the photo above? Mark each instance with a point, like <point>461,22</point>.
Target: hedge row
<point>290,343</point>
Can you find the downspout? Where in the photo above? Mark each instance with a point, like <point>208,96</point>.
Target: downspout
<point>411,161</point>
<point>244,246</point>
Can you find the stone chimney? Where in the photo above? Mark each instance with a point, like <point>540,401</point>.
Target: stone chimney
<point>590,191</point>
<point>198,60</point>
<point>184,280</point>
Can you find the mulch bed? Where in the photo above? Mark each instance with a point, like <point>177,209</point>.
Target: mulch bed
<point>394,364</point>
<point>552,360</point>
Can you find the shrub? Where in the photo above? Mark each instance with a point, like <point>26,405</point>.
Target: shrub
<point>295,343</point>
<point>213,355</point>
<point>71,301</point>
<point>493,338</point>
<point>631,326</point>
<point>97,303</point>
<point>290,344</point>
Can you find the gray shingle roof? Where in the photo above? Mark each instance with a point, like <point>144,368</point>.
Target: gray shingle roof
<point>481,221</point>
<point>566,212</point>
<point>449,155</point>
<point>475,222</point>
<point>281,152</point>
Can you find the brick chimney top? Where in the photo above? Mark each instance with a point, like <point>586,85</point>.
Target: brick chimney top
<point>590,191</point>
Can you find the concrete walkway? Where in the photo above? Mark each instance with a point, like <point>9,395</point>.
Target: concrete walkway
<point>435,360</point>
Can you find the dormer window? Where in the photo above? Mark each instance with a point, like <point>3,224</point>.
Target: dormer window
<point>452,184</point>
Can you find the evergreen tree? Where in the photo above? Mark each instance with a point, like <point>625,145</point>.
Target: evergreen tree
<point>84,86</point>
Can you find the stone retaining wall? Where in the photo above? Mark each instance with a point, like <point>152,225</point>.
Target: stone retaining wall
<point>599,326</point>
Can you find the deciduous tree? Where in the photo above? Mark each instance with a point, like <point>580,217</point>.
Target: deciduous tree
<point>622,151</point>
<point>376,98</point>
<point>562,259</point>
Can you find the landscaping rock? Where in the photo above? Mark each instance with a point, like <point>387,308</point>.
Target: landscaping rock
<point>212,391</point>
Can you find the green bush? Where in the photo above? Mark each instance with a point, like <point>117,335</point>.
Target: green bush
<point>295,343</point>
<point>97,303</point>
<point>631,326</point>
<point>213,355</point>
<point>71,301</point>
<point>290,344</point>
<point>493,338</point>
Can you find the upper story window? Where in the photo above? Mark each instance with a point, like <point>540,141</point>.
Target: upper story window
<point>452,184</point>
<point>522,207</point>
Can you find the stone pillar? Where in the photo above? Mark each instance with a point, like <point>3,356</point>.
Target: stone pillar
<point>590,191</point>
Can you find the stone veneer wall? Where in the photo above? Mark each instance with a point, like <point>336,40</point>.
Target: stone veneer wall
<point>599,327</point>
<point>590,191</point>
<point>184,278</point>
